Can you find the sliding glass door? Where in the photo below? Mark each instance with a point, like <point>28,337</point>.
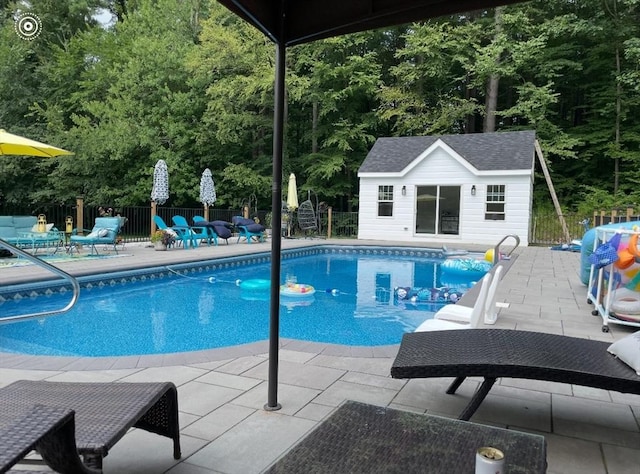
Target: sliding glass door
<point>437,209</point>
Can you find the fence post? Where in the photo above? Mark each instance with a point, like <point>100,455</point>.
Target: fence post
<point>80,215</point>
<point>329,213</point>
<point>614,215</point>
<point>629,213</point>
<point>154,210</point>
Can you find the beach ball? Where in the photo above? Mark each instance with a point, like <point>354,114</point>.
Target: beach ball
<point>488,255</point>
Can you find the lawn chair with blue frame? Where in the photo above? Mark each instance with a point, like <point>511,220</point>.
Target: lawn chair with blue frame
<point>248,229</point>
<point>104,232</point>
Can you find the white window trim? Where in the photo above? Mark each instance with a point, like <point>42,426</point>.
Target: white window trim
<point>390,189</point>
<point>503,202</point>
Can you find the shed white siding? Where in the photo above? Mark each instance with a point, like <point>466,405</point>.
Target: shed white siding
<point>440,165</point>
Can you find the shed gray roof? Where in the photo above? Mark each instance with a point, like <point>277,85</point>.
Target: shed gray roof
<point>498,151</point>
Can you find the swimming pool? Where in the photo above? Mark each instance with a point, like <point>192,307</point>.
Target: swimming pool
<point>202,308</point>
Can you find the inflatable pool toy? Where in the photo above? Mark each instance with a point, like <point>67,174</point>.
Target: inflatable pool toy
<point>587,246</point>
<point>427,295</point>
<point>633,244</point>
<point>488,255</point>
<point>255,284</point>
<point>468,267</point>
<point>627,254</point>
<point>297,290</point>
<point>626,305</point>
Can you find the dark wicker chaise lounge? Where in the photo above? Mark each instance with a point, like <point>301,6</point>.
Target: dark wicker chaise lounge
<point>49,430</point>
<point>494,353</point>
<point>103,411</point>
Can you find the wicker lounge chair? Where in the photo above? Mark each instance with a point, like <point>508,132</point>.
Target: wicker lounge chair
<point>103,411</point>
<point>48,430</point>
<point>494,353</point>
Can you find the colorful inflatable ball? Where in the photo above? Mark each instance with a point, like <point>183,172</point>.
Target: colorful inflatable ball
<point>488,255</point>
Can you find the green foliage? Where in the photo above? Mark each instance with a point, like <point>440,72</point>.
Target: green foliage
<point>190,83</point>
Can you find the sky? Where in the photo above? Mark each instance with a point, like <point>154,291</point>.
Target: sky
<point>104,17</point>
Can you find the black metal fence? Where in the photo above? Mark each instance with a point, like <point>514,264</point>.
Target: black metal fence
<point>546,228</point>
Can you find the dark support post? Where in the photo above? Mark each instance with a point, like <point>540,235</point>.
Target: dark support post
<point>276,221</point>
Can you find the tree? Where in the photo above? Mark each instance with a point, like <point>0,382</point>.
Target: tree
<point>134,105</point>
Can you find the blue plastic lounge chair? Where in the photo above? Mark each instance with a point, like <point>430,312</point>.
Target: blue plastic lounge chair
<point>248,229</point>
<point>195,233</point>
<point>105,231</point>
<point>199,222</point>
<point>182,237</point>
<point>218,229</point>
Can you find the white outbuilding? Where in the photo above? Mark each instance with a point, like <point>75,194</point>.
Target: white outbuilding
<point>472,188</point>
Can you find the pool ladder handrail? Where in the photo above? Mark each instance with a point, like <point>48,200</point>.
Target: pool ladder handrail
<point>496,249</point>
<point>47,266</point>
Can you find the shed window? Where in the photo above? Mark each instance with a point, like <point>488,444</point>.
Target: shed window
<point>495,202</point>
<point>385,201</point>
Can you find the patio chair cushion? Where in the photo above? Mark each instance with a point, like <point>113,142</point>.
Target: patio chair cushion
<point>98,233</point>
<point>11,227</point>
<point>627,350</point>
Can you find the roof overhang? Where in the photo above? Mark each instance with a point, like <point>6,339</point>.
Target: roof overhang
<point>441,145</point>
<point>292,22</point>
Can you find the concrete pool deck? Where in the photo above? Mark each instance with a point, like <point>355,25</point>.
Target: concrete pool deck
<point>222,393</point>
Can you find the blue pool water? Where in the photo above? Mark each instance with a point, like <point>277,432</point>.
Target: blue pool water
<point>354,304</point>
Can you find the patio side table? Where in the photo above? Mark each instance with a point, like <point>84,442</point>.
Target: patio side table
<point>50,241</point>
<point>361,438</point>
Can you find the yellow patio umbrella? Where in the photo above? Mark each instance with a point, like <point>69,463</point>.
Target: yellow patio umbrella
<point>292,193</point>
<point>11,144</point>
